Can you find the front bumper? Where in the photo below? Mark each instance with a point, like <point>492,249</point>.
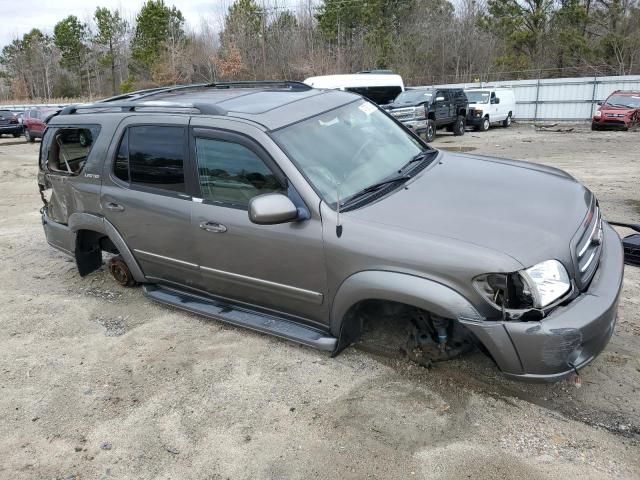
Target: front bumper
<point>418,126</point>
<point>571,336</point>
<point>10,129</point>
<point>611,122</point>
<point>474,120</point>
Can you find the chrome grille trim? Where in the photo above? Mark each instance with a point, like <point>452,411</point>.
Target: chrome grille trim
<point>589,238</point>
<point>588,247</point>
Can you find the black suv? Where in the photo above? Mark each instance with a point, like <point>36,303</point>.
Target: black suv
<point>425,109</point>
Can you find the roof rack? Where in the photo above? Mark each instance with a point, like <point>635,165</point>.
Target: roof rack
<point>149,106</point>
<point>139,101</point>
<point>148,92</point>
<point>290,84</point>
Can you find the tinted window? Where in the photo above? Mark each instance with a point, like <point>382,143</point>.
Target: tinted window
<point>231,173</point>
<point>152,156</point>
<point>121,165</point>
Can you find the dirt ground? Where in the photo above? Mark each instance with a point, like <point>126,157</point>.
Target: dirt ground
<point>98,382</point>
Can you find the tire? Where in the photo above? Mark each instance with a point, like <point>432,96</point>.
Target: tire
<point>120,272</point>
<point>507,121</point>
<point>595,127</point>
<point>28,137</point>
<point>484,126</point>
<point>430,132</point>
<point>458,127</point>
<point>16,135</point>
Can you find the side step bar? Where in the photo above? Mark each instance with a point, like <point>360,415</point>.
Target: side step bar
<point>257,321</point>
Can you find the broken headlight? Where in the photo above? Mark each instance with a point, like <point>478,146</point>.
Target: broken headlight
<point>535,287</point>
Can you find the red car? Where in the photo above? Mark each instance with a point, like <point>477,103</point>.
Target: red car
<point>34,122</point>
<point>621,110</point>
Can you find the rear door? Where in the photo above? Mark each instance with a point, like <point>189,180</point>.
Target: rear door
<point>144,195</point>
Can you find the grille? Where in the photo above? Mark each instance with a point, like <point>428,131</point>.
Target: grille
<point>402,114</point>
<point>588,246</point>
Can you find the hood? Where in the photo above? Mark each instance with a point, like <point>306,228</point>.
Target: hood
<point>617,111</point>
<point>393,106</point>
<point>527,211</point>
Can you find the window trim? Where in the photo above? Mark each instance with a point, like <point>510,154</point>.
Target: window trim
<point>212,133</point>
<point>187,165</point>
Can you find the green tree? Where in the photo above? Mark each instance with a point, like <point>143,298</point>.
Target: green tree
<point>69,36</point>
<point>524,26</point>
<point>111,29</point>
<point>568,34</point>
<point>377,21</point>
<point>156,25</point>
<point>242,40</point>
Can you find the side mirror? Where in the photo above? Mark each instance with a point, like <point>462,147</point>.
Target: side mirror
<point>600,103</point>
<point>439,99</point>
<point>497,101</point>
<point>271,209</point>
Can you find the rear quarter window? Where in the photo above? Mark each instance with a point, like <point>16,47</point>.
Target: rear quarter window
<point>67,148</point>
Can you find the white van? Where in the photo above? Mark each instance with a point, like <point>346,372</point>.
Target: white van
<point>489,105</point>
<point>381,88</point>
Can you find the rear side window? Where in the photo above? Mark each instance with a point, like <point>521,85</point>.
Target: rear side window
<point>153,157</point>
<point>69,148</point>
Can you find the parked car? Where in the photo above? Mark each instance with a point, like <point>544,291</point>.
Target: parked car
<point>35,121</point>
<point>490,105</point>
<point>379,86</point>
<point>620,110</point>
<point>9,124</point>
<point>427,109</point>
<point>19,115</point>
<point>309,213</point>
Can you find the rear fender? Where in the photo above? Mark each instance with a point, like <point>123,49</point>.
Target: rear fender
<point>90,259</point>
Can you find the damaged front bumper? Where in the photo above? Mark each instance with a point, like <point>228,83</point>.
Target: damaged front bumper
<point>568,338</point>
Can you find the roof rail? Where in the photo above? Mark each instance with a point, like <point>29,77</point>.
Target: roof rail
<point>291,84</point>
<point>149,91</point>
<point>149,106</point>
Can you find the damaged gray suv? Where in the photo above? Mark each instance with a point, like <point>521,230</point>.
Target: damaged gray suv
<point>312,214</point>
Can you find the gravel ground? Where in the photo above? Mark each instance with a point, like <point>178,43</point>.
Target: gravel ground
<point>98,382</point>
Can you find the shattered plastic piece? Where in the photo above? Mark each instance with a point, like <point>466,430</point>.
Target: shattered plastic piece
<point>575,380</point>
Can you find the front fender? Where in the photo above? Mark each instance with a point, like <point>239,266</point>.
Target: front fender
<point>396,287</point>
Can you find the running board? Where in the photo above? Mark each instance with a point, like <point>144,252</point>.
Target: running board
<point>252,320</point>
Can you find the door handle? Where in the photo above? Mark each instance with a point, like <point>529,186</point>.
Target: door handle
<point>213,227</point>
<point>115,207</point>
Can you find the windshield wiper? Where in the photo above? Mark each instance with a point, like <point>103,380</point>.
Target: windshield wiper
<point>419,157</point>
<point>374,187</point>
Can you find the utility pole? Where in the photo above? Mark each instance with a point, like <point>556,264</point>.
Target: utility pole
<point>264,41</point>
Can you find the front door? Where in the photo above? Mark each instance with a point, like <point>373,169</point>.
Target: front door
<point>443,108</point>
<point>278,267</point>
<point>144,195</point>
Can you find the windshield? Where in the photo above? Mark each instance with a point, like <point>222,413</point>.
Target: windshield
<point>630,101</point>
<point>355,145</point>
<point>477,97</point>
<point>414,96</point>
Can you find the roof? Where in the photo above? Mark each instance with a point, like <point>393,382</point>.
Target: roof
<point>356,80</point>
<point>270,104</point>
<point>626,92</point>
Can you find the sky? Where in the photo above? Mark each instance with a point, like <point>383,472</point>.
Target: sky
<point>18,17</point>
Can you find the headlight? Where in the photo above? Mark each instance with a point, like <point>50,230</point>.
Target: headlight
<point>533,288</point>
<point>478,113</point>
<point>548,281</point>
<point>419,113</point>
<point>598,114</point>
